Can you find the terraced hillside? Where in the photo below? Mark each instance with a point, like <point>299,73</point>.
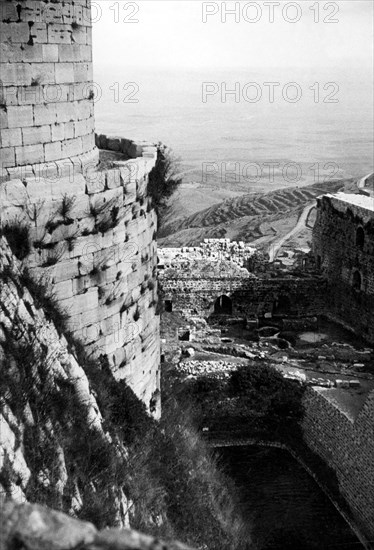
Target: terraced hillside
<point>258,218</point>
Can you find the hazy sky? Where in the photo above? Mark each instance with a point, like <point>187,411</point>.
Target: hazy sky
<point>171,33</point>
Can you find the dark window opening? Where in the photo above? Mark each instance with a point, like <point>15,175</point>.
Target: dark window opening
<point>282,306</point>
<point>168,306</point>
<point>360,238</point>
<point>184,336</point>
<point>357,281</point>
<point>223,305</point>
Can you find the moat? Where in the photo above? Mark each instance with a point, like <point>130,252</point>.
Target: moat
<point>285,507</point>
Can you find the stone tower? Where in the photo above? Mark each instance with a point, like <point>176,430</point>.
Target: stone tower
<point>90,223</point>
<point>46,98</point>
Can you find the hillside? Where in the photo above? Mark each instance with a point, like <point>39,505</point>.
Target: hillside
<point>259,218</point>
<point>74,438</point>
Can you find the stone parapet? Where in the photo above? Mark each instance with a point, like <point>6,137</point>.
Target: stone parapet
<point>130,148</point>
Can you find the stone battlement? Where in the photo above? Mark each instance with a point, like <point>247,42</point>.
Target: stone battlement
<point>361,205</point>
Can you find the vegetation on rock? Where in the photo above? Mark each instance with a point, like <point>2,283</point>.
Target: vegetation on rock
<point>161,474</point>
<point>163,180</point>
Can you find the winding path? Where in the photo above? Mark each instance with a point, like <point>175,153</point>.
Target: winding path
<point>278,243</point>
<point>362,181</point>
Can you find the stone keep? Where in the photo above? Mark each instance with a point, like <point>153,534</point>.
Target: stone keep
<point>91,229</point>
<point>343,246</point>
<point>46,95</point>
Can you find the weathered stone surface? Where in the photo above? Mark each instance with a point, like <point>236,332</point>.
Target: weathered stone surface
<point>343,246</point>
<point>39,528</point>
<point>347,445</point>
<point>40,66</point>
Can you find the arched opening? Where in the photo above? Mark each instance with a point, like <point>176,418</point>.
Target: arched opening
<point>168,306</point>
<point>282,305</point>
<point>357,281</point>
<point>184,335</point>
<point>223,305</point>
<point>360,237</point>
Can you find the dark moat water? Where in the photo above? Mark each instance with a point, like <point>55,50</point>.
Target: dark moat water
<point>283,503</point>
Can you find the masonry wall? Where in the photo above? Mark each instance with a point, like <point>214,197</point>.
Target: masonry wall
<point>251,296</point>
<point>91,227</point>
<point>347,445</point>
<point>46,94</point>
<point>339,256</point>
<point>94,241</point>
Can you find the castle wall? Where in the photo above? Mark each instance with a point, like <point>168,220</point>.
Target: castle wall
<point>46,94</point>
<point>344,262</point>
<point>94,240</point>
<point>91,226</point>
<point>251,296</point>
<point>346,445</point>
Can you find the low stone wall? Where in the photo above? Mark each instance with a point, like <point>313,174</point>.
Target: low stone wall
<point>129,147</point>
<point>347,446</point>
<point>93,237</point>
<point>34,527</point>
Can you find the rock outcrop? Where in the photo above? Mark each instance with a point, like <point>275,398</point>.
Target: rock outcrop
<point>34,527</point>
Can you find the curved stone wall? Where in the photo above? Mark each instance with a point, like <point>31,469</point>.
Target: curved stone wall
<point>94,240</point>
<point>46,95</point>
<point>90,225</point>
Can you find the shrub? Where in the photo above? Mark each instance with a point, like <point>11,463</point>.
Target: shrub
<point>163,179</point>
<point>66,206</point>
<point>17,235</point>
<point>44,299</point>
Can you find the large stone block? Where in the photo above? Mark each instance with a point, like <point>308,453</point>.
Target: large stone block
<point>73,186</point>
<point>10,137</point>
<point>50,53</point>
<point>66,112</point>
<point>16,74</point>
<point>53,151</point>
<point>64,73</point>
<point>45,114</point>
<point>71,147</point>
<point>58,132</point>
<point>43,73</point>
<point>59,34</point>
<point>34,135</point>
<point>19,117</point>
<point>12,193</point>
<point>13,33</point>
<point>82,303</point>
<point>29,154</point>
